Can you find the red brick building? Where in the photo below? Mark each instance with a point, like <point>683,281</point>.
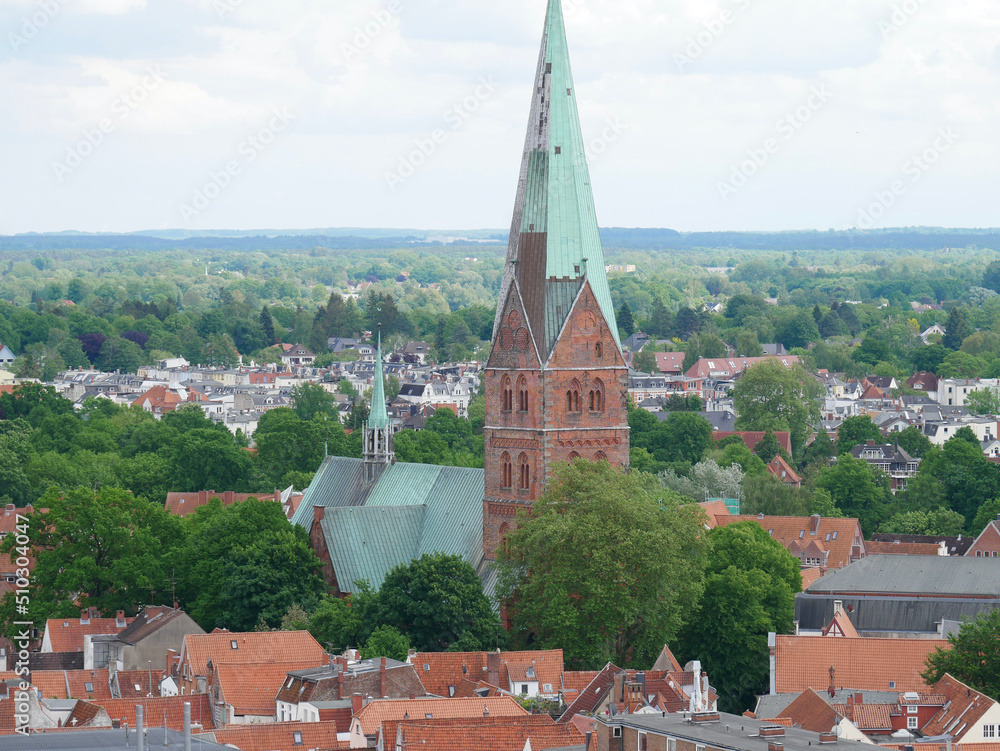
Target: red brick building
<point>556,381</point>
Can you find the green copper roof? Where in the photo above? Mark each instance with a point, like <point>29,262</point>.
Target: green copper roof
<point>378,417</point>
<point>555,223</point>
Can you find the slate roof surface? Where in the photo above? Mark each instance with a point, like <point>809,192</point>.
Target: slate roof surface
<point>804,662</point>
<point>916,575</point>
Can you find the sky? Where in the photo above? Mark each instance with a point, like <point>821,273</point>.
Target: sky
<point>700,115</point>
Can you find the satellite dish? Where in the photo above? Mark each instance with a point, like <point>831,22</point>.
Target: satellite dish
<point>837,730</point>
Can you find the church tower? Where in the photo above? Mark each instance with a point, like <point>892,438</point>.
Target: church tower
<point>555,382</point>
<point>379,450</point>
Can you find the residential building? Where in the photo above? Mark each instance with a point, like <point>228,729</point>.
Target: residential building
<point>727,369</point>
<point>968,717</point>
<point>955,391</point>
<point>146,641</point>
<point>800,663</point>
<point>169,711</point>
<point>782,470</point>
<point>890,459</point>
<point>66,635</point>
<point>670,363</point>
<point>813,540</point>
<point>107,739</point>
<point>326,692</point>
<point>535,732</point>
<point>7,357</point>
<point>555,380</point>
<point>987,544</point>
<point>243,693</point>
<point>182,504</point>
<point>932,543</point>
<point>530,674</point>
<point>297,357</point>
<point>281,736</point>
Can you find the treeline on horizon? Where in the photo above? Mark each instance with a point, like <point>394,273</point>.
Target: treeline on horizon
<point>923,238</point>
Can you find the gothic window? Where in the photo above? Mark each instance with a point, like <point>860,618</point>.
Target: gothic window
<point>508,394</point>
<point>573,397</point>
<point>573,456</point>
<point>504,530</point>
<point>506,471</point>
<point>522,394</point>
<point>524,473</point>
<point>600,456</point>
<point>599,350</point>
<point>596,398</point>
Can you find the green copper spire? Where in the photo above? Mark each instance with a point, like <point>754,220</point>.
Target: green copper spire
<point>378,417</point>
<point>554,240</point>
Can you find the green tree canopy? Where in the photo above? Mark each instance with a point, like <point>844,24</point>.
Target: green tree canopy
<point>855,430</point>
<point>605,567</point>
<point>750,587</point>
<point>859,490</point>
<point>311,399</point>
<point>973,656</point>
<point>770,396</point>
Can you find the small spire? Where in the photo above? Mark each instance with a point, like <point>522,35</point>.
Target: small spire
<point>378,416</point>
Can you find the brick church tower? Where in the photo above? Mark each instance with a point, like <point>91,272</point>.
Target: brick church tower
<point>555,382</point>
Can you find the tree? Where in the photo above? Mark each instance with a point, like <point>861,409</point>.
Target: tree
<point>859,490</point>
<point>832,325</point>
<point>973,656</point>
<point>962,365</point>
<point>267,326</point>
<point>797,330</point>
<point>105,550</point>
<point>605,567</point>
<point>645,362</point>
<point>750,587</point>
<point>739,454</point>
<point>688,323</point>
<point>927,358</point>
<point>436,600</point>
<point>991,278</point>
<point>988,512</point>
<point>386,641</point>
<point>119,354</point>
<point>857,430</point>
<point>244,562</point>
<point>286,443</point>
<point>770,396</point>
<point>767,447</point>
<point>969,479</point>
<point>311,399</point>
<point>983,402</point>
<point>941,522</point>
<point>207,459</point>
<point>748,345</point>
<point>706,480</point>
<point>625,320</point>
<point>821,450</point>
<point>688,436</point>
<point>338,623</point>
<point>956,330</point>
<point>766,494</point>
<point>661,322</point>
<point>913,441</point>
<point>741,307</point>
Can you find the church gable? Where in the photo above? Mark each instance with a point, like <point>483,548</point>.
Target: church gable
<point>513,347</point>
<point>586,339</point>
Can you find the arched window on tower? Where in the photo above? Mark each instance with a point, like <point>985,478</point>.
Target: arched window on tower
<point>600,456</point>
<point>524,473</point>
<point>573,397</point>
<point>506,471</point>
<point>599,350</point>
<point>595,399</point>
<point>522,394</point>
<point>507,392</point>
<point>573,456</point>
<point>504,531</point>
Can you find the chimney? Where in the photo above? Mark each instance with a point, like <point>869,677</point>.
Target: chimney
<point>381,679</point>
<point>859,698</point>
<point>139,740</point>
<point>775,746</point>
<point>772,731</point>
<point>493,668</point>
<point>833,684</point>
<point>120,619</point>
<point>187,726</point>
<point>340,683</point>
<point>318,513</point>
<point>84,617</point>
<point>357,702</point>
<point>827,738</point>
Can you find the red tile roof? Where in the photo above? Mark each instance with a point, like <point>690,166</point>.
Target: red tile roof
<point>869,717</point>
<point>373,714</point>
<point>841,625</point>
<point>281,736</point>
<point>182,504</point>
<point>135,684</point>
<point>965,708</point>
<point>842,534</point>
<point>251,689</point>
<point>804,662</point>
<point>811,712</point>
<point>507,734</point>
<point>440,670</point>
<point>730,367</point>
<point>252,648</point>
<point>66,634</point>
<point>154,711</point>
<point>874,547</point>
<point>810,575</point>
<point>72,684</point>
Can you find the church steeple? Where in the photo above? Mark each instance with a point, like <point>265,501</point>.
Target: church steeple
<point>379,449</point>
<point>554,242</point>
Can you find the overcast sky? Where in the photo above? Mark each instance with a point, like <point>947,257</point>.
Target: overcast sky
<point>123,115</point>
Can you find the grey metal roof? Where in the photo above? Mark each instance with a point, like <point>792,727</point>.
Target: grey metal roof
<point>912,614</point>
<point>108,740</point>
<point>907,574</point>
<point>771,707</point>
